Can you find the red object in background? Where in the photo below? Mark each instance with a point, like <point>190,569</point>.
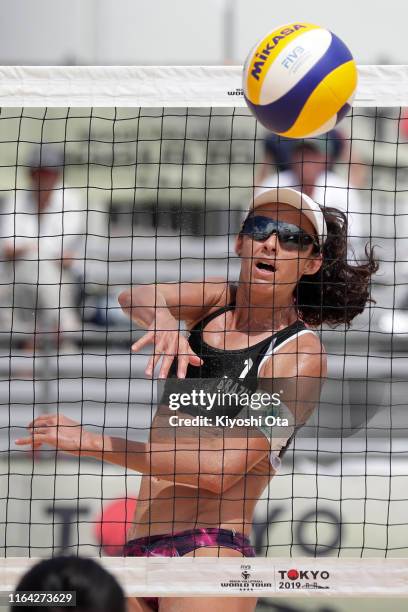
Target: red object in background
<point>404,124</point>
<point>113,524</point>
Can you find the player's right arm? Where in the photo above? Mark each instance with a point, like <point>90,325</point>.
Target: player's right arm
<point>160,308</point>
<point>214,463</point>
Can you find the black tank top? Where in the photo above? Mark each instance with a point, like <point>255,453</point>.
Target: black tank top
<point>231,370</point>
<point>241,364</point>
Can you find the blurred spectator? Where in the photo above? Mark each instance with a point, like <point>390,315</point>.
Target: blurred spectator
<point>277,155</point>
<point>309,166</point>
<point>96,589</point>
<point>42,230</point>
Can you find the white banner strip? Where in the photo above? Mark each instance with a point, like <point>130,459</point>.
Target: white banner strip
<point>252,577</point>
<point>170,86</point>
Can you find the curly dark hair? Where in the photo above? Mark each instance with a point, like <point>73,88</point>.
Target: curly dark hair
<point>340,290</point>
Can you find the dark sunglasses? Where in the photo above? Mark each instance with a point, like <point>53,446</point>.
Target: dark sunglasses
<point>291,237</point>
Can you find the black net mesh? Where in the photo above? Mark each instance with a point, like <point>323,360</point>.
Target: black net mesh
<point>94,201</point>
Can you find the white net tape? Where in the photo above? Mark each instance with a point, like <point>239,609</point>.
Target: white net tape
<point>259,577</point>
<point>158,86</point>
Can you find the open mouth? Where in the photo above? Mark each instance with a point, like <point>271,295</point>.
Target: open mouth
<point>261,265</point>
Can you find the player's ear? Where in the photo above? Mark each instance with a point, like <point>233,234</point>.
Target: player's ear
<point>313,264</point>
<point>238,244</point>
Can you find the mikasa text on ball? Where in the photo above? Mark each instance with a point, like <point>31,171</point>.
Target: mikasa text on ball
<point>300,80</point>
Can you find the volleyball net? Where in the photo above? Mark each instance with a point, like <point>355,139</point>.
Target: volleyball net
<point>148,173</point>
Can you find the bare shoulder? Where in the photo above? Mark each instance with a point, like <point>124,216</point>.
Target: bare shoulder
<point>213,293</point>
<point>224,291</point>
<point>305,355</point>
<point>188,301</point>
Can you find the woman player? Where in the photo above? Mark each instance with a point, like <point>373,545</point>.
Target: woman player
<point>199,499</point>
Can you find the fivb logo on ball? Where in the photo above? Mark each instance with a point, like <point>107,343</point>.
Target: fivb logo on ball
<point>299,80</point>
<point>261,57</point>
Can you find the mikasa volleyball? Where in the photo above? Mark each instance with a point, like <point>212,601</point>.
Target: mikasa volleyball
<point>300,80</point>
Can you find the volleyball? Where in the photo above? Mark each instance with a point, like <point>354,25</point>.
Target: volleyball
<point>300,80</point>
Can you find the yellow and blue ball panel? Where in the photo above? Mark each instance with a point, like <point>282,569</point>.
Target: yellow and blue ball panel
<point>300,80</point>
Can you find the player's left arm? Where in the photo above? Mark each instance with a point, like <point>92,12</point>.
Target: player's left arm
<point>209,462</point>
<point>300,367</point>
